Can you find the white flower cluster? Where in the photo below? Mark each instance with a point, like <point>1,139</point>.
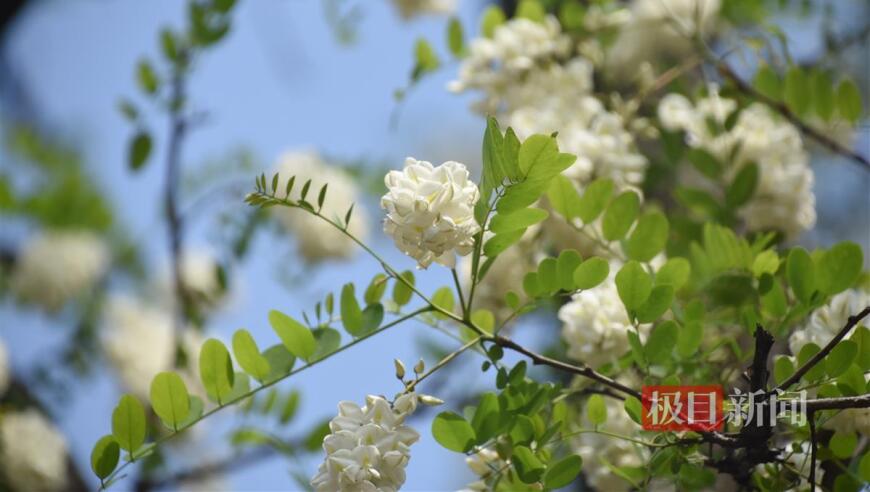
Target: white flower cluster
<point>318,240</point>
<point>518,47</point>
<point>57,266</point>
<point>412,8</point>
<point>783,199</point>
<point>596,325</point>
<point>824,323</point>
<point>430,211</point>
<point>368,447</point>
<point>139,341</point>
<point>33,453</point>
<point>528,79</point>
<point>660,29</point>
<point>5,371</point>
<point>602,453</point>
<point>483,463</point>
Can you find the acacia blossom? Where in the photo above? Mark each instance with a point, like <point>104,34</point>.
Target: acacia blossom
<point>783,199</point>
<point>200,276</point>
<point>316,239</point>
<point>596,325</point>
<point>33,453</point>
<point>368,447</point>
<point>430,211</point>
<point>58,266</point>
<point>517,48</point>
<point>5,372</point>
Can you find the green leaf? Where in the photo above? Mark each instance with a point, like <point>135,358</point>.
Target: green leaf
<point>864,467</point>
<point>147,77</point>
<point>401,292</point>
<point>351,314</point>
<point>841,357</point>
<point>547,279</point>
<point>280,362</point>
<point>169,399</point>
<point>455,38</point>
<point>797,90</point>
<point>596,410</point>
<point>486,421</point>
<point>500,242</point>
<point>782,368</point>
<point>517,220</point>
<point>492,17</point>
<point>563,472</point>
<point>861,337</point>
<point>195,412</point>
<point>689,339</point>
<point>842,444</point>
<point>648,238</point>
<point>590,273</point>
<point>139,150</point>
<point>298,339</point>
<point>767,82</point>
<point>805,354</point>
<point>619,216</point>
<point>529,468</point>
<point>801,273</point>
<point>532,10</point>
<point>128,423</point>
<point>743,187</point>
<point>104,456</point>
<point>443,298</point>
<point>849,100</point>
<point>328,340</point>
<point>425,59</point>
<point>705,162</point>
<point>216,370</point>
<point>567,264</point>
<point>839,267</point>
<point>766,262</point>
<point>249,357</point>
<point>372,316</point>
<point>376,289</point>
<point>661,342</point>
<point>633,408</point>
<point>483,319</point>
<point>594,199</point>
<point>633,284</point>
<point>537,152</point>
<point>453,432</point>
<point>675,272</point>
<point>563,197</point>
<point>657,304</point>
<point>823,92</point>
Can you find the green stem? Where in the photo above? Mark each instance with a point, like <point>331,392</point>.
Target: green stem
<point>262,387</point>
<point>456,282</point>
<point>443,362</point>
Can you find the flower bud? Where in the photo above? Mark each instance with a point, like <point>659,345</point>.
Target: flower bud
<point>400,369</point>
<point>430,400</point>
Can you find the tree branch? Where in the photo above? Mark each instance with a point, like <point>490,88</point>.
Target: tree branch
<point>844,402</point>
<point>827,142</point>
<point>851,323</point>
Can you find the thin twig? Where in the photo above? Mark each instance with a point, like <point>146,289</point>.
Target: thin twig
<point>821,354</point>
<point>784,110</point>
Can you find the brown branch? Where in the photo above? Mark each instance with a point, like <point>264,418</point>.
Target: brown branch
<point>585,371</point>
<point>840,403</point>
<point>783,110</point>
<point>813,448</point>
<point>851,323</point>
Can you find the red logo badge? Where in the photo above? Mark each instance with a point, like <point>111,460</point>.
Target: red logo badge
<point>681,408</point>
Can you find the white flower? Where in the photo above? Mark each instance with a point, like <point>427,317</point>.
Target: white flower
<point>596,324</point>
<point>483,463</point>
<point>57,266</point>
<point>368,447</point>
<point>318,240</point>
<point>199,275</point>
<point>5,372</point>
<point>660,29</point>
<point>516,48</point>
<point>598,451</point>
<point>783,199</point>
<point>828,320</point>
<point>412,8</point>
<point>33,453</point>
<point>430,211</point>
<point>139,342</point>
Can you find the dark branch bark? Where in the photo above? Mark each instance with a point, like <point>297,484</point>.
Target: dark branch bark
<point>783,110</point>
<point>840,403</point>
<point>851,323</point>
